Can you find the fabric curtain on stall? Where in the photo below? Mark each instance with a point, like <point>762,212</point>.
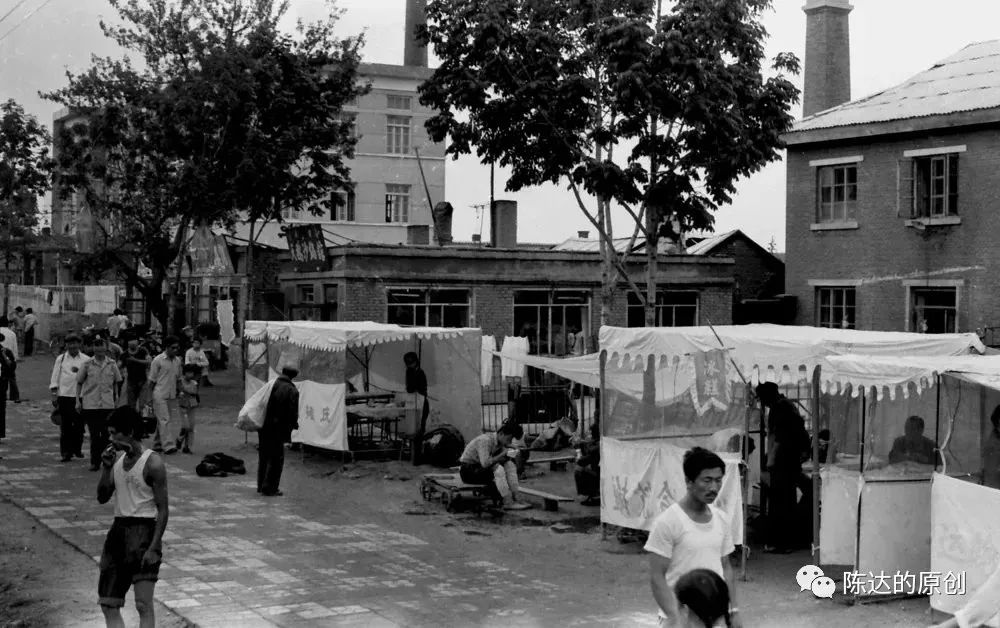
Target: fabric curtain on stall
<point>486,365</point>
<point>224,311</point>
<point>513,346</point>
<point>965,539</point>
<point>640,479</point>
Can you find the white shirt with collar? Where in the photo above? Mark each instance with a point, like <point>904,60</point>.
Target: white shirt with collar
<point>64,374</point>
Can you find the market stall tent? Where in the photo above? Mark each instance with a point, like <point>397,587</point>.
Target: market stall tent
<point>948,515</point>
<point>368,357</point>
<point>667,389</point>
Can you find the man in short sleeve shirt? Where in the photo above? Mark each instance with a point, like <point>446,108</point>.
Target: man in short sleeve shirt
<point>691,534</point>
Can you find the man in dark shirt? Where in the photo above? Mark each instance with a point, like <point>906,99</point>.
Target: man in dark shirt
<point>136,362</point>
<point>913,446</point>
<point>787,442</point>
<point>416,383</point>
<point>280,418</point>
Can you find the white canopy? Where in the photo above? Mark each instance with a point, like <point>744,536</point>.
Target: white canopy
<point>338,336</point>
<point>582,369</point>
<point>773,347</point>
<point>889,373</point>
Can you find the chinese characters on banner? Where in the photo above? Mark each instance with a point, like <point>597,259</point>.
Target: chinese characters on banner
<point>322,419</point>
<point>307,247</point>
<point>639,480</point>
<point>712,389</point>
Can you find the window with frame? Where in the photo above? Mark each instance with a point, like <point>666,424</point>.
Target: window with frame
<point>928,186</point>
<point>397,135</point>
<point>349,119</point>
<point>835,307</point>
<point>394,101</point>
<point>673,308</point>
<point>343,206</point>
<point>934,310</point>
<point>306,293</point>
<point>428,307</point>
<point>836,193</point>
<point>397,202</point>
<point>552,320</point>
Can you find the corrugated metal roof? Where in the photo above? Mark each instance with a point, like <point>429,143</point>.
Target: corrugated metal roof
<point>592,245</point>
<point>966,81</point>
<point>705,246</point>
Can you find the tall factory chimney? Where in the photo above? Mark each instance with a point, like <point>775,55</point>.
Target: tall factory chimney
<point>828,55</point>
<point>414,52</point>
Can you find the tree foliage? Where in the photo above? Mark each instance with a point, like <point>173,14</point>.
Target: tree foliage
<point>25,168</point>
<point>213,116</point>
<point>25,174</point>
<point>550,88</point>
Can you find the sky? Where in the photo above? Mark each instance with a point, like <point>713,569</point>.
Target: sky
<point>891,40</point>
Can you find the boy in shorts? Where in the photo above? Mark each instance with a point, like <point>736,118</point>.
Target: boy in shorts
<point>133,548</point>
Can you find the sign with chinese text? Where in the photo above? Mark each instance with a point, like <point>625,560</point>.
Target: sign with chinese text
<point>307,247</point>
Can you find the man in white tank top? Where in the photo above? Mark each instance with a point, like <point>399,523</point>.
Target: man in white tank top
<point>133,549</point>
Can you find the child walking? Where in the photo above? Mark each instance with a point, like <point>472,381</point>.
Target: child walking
<point>188,400</point>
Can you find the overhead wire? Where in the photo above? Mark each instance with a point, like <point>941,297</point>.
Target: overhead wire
<point>7,14</point>
<point>24,19</point>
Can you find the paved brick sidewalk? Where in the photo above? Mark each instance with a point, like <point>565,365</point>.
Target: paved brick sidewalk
<point>232,560</point>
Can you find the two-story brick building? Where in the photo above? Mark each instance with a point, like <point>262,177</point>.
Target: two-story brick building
<point>891,216</point>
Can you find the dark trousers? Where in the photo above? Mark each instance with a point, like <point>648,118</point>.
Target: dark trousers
<point>271,461</point>
<point>29,341</point>
<point>133,390</point>
<point>588,482</point>
<point>3,408</point>
<point>781,508</point>
<point>97,425</point>
<point>13,392</point>
<point>71,429</point>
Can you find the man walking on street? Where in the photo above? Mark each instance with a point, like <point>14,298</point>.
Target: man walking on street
<point>64,387</point>
<point>30,325</point>
<point>691,534</point>
<point>133,548</point>
<point>786,448</point>
<point>98,379</point>
<point>8,340</point>
<point>164,378</point>
<point>280,418</point>
<point>136,362</point>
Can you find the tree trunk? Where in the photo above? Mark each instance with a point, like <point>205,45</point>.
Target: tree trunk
<point>649,308</point>
<point>173,285</point>
<point>606,276</point>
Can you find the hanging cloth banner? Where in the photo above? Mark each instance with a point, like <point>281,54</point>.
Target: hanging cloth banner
<point>640,479</point>
<point>965,543</point>
<point>226,317</point>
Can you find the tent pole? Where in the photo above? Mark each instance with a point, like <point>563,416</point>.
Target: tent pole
<point>937,422</point>
<point>745,446</point>
<point>815,457</point>
<point>603,425</point>
<point>861,473</point>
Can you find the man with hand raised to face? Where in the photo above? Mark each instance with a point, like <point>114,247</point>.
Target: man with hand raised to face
<point>133,549</point>
<point>691,534</point>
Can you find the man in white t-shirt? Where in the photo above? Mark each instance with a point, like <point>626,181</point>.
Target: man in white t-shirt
<point>691,534</point>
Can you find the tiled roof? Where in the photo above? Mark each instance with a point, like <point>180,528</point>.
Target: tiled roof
<point>966,81</point>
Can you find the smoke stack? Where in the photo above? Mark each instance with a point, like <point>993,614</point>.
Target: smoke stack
<point>503,224</point>
<point>828,55</point>
<point>414,52</point>
<point>442,223</point>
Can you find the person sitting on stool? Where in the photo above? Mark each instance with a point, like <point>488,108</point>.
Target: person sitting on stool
<point>488,459</point>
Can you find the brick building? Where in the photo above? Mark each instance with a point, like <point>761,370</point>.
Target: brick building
<point>538,291</point>
<point>890,199</point>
